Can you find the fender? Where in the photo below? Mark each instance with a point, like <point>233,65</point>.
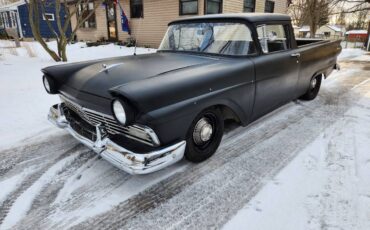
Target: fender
<point>180,115</point>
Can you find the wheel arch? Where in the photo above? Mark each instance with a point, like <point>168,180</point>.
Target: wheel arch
<point>164,118</point>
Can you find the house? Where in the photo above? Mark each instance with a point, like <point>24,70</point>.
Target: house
<point>15,15</point>
<point>331,31</point>
<point>304,32</point>
<point>325,31</point>
<point>356,35</point>
<point>148,19</point>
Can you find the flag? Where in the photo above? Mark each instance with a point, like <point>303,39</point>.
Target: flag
<point>124,20</point>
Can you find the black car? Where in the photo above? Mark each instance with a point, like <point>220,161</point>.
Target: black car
<point>145,112</point>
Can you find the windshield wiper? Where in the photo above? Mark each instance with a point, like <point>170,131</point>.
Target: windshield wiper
<point>225,46</point>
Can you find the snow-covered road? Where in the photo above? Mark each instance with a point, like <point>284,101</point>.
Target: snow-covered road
<point>304,166</point>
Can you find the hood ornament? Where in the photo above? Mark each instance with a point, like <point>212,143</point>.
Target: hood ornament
<point>106,68</point>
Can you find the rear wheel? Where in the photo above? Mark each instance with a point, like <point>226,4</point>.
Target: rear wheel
<point>204,135</point>
<point>313,89</point>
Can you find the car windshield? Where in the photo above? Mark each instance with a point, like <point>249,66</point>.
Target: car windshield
<point>214,38</point>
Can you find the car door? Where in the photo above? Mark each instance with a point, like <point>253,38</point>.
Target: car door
<point>276,68</point>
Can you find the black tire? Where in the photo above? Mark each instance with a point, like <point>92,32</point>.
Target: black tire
<point>197,149</point>
<point>313,89</point>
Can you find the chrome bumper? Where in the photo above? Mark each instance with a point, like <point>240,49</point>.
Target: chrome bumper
<point>131,162</point>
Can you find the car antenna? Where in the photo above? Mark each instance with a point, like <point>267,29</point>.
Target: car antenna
<point>137,32</point>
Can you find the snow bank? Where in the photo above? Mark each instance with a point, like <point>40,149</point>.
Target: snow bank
<point>23,100</point>
<point>75,52</point>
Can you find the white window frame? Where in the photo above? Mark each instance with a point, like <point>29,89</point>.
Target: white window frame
<point>2,23</point>
<point>48,14</point>
<point>6,19</point>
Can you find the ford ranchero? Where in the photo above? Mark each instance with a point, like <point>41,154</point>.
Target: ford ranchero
<point>145,112</point>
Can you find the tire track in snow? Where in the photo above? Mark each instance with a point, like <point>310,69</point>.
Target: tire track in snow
<point>29,181</point>
<point>238,143</point>
<point>49,193</point>
<point>72,193</point>
<point>31,154</point>
<point>43,205</point>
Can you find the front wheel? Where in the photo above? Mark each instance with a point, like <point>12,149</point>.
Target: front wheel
<point>204,135</point>
<point>313,89</point>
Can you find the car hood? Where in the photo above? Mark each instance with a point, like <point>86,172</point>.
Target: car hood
<point>97,77</point>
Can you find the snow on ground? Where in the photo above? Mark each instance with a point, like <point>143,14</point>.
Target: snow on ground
<point>350,53</point>
<point>48,182</point>
<point>326,186</point>
<point>10,184</point>
<point>24,202</point>
<point>75,52</point>
<point>24,103</point>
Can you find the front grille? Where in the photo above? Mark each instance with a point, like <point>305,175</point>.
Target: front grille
<point>134,132</point>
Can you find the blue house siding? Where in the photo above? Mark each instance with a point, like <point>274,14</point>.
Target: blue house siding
<point>44,28</point>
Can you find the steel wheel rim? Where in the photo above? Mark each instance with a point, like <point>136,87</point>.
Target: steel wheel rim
<point>204,130</point>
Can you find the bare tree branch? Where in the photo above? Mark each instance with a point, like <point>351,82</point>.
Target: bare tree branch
<point>62,34</point>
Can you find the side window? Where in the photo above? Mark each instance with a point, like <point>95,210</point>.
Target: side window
<point>273,38</point>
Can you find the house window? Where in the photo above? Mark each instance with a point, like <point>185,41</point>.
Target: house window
<point>1,21</point>
<point>48,16</point>
<point>136,7</point>
<point>13,18</point>
<point>5,19</point>
<point>213,6</point>
<point>188,7</point>
<point>249,5</point>
<point>269,6</point>
<point>85,10</point>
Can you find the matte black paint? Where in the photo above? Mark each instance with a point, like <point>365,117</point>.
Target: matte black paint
<point>168,89</point>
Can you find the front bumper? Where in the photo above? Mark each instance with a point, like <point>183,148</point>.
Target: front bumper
<point>131,162</point>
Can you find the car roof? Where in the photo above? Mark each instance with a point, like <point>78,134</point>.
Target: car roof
<point>250,17</point>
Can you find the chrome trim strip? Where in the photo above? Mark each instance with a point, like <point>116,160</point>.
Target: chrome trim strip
<point>106,68</point>
<point>124,159</point>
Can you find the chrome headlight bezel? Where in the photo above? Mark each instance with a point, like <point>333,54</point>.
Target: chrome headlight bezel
<point>46,84</point>
<point>119,111</point>
<point>49,85</point>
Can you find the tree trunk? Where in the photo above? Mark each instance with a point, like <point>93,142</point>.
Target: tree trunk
<point>312,29</point>
<point>33,15</point>
<point>63,51</point>
<point>35,7</point>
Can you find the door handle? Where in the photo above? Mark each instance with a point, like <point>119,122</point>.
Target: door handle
<point>297,55</point>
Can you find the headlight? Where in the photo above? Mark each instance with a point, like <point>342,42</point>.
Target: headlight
<point>49,84</point>
<point>46,84</point>
<point>119,111</point>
